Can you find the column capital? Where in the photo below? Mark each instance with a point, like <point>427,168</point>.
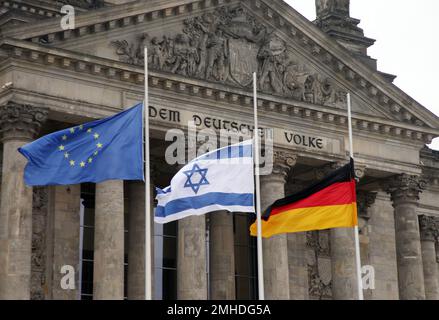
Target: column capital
<point>282,163</point>
<point>284,159</point>
<point>428,227</point>
<point>320,173</point>
<point>21,121</point>
<point>323,171</point>
<point>405,188</point>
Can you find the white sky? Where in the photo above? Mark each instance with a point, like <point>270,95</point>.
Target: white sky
<point>407,42</point>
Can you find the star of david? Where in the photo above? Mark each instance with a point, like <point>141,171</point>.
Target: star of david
<point>191,178</point>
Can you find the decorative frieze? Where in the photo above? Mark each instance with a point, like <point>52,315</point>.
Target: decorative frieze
<point>227,46</point>
<point>319,265</point>
<point>306,43</point>
<point>103,68</point>
<point>39,243</point>
<point>429,228</point>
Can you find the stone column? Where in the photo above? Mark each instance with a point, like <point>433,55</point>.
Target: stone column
<point>136,241</point>
<point>365,199</point>
<point>382,249</point>
<point>344,273</point>
<point>275,249</point>
<point>108,278</point>
<point>222,256</point>
<point>297,256</point>
<point>191,260</point>
<point>191,252</point>
<point>405,190</point>
<point>19,124</point>
<point>344,266</point>
<point>64,221</point>
<point>429,227</point>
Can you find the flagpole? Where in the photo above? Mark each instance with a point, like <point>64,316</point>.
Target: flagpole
<point>356,231</point>
<point>258,192</point>
<point>148,262</point>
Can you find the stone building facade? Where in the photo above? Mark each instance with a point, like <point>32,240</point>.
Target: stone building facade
<point>202,54</point>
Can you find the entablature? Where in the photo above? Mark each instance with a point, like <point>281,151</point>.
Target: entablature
<point>312,42</point>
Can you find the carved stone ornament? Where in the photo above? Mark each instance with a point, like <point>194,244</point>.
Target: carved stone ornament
<point>322,172</point>
<point>39,243</point>
<point>405,187</point>
<point>319,273</point>
<point>364,200</point>
<point>21,121</point>
<point>429,227</point>
<point>283,162</point>
<point>324,7</point>
<point>227,46</point>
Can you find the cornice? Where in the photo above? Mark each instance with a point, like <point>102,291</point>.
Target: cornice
<point>32,8</point>
<point>315,43</point>
<point>107,18</point>
<point>330,53</point>
<point>117,71</point>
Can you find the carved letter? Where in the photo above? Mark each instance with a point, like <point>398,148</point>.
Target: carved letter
<point>152,112</point>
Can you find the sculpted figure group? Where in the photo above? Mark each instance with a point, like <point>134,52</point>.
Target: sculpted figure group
<point>227,46</point>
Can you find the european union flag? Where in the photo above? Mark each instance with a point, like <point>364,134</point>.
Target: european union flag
<point>107,149</point>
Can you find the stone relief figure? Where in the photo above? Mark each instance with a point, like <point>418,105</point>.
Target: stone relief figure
<point>193,58</point>
<point>216,56</point>
<point>272,67</point>
<point>296,80</point>
<point>326,89</point>
<point>320,91</point>
<point>227,46</point>
<point>139,55</point>
<point>168,49</point>
<point>125,51</point>
<point>157,56</point>
<point>180,58</point>
<point>202,28</point>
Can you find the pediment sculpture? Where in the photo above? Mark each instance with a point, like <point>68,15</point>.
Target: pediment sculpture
<point>227,46</point>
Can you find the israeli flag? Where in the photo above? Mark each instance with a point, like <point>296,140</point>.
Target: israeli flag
<point>219,180</point>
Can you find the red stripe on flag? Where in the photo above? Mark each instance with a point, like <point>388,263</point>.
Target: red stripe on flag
<point>336,194</point>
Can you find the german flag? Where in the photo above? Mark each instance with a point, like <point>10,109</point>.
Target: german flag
<point>329,203</point>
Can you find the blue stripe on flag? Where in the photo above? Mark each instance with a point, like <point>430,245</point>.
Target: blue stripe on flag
<point>208,199</point>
